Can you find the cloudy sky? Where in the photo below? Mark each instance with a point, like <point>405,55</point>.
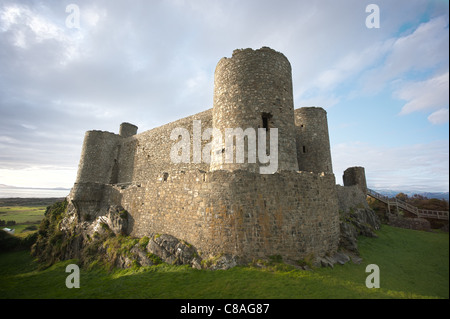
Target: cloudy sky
<point>386,89</point>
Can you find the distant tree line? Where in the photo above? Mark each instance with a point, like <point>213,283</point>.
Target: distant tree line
<point>418,201</point>
<point>7,223</point>
<point>423,202</point>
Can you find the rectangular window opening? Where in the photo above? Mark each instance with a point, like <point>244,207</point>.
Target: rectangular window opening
<point>265,120</point>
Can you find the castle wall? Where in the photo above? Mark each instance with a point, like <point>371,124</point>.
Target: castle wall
<point>125,164</point>
<point>355,176</point>
<point>313,142</point>
<point>151,155</point>
<point>127,129</point>
<point>99,156</point>
<point>224,207</point>
<point>253,89</point>
<point>240,213</point>
<point>351,197</point>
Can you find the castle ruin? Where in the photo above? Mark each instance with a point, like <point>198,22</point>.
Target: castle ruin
<point>224,207</point>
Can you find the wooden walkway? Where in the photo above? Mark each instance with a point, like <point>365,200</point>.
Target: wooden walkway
<point>398,204</point>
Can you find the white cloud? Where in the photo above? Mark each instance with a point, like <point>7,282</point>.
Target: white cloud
<point>9,16</point>
<point>426,47</point>
<point>91,16</point>
<point>29,126</point>
<point>351,64</point>
<point>427,95</point>
<point>439,117</point>
<point>6,139</point>
<point>372,66</point>
<point>38,35</point>
<point>38,176</point>
<point>151,62</point>
<point>20,19</point>
<point>413,165</point>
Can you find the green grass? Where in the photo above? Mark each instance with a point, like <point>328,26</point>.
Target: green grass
<point>412,264</point>
<point>24,216</point>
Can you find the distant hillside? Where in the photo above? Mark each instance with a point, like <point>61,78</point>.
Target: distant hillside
<point>436,195</point>
<point>46,188</point>
<point>392,193</point>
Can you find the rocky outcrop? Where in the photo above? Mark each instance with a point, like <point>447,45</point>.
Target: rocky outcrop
<point>338,258</point>
<point>174,251</point>
<point>357,222</point>
<point>65,233</point>
<point>356,218</point>
<point>223,262</point>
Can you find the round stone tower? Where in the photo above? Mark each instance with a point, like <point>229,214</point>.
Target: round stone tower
<point>253,90</point>
<point>98,157</point>
<point>313,142</point>
<point>355,176</point>
<point>127,129</point>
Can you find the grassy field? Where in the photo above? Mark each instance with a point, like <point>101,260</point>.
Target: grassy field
<point>24,216</point>
<point>412,264</point>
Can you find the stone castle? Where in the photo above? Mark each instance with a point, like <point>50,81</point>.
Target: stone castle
<point>224,207</point>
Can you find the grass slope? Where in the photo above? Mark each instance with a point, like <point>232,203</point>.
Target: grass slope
<point>412,264</point>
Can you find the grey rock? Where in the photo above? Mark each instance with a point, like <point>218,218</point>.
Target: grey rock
<point>359,221</point>
<point>123,262</point>
<point>341,258</point>
<point>348,236</point>
<point>324,262</point>
<point>224,262</point>
<point>356,260</point>
<point>173,251</point>
<point>140,256</point>
<point>117,219</point>
<point>329,261</point>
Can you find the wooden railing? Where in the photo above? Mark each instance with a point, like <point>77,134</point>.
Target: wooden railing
<point>405,206</point>
<point>424,213</point>
<point>378,196</point>
<point>438,214</point>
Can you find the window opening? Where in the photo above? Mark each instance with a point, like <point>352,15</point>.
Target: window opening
<point>265,120</point>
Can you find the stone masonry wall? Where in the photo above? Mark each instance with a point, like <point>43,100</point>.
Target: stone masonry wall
<point>313,142</point>
<point>239,213</point>
<point>351,197</point>
<point>127,129</point>
<point>126,162</point>
<point>98,157</point>
<point>225,208</point>
<point>409,223</point>
<point>253,89</point>
<point>355,176</point>
<point>151,154</point>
